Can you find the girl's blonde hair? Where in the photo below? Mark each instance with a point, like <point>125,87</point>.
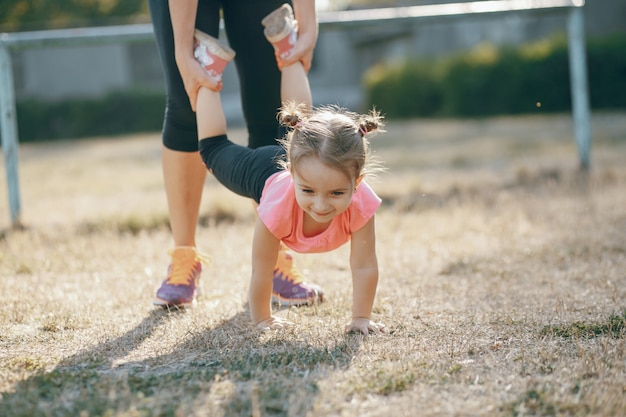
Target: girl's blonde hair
<point>334,135</point>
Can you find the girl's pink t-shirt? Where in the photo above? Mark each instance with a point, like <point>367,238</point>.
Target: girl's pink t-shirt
<point>281,214</point>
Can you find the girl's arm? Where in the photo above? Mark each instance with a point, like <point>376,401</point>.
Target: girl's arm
<point>364,265</point>
<point>183,16</point>
<point>264,255</point>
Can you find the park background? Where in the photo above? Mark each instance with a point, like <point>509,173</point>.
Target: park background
<point>501,261</point>
<point>80,90</point>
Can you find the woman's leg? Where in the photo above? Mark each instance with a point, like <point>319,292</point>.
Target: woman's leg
<point>183,171</point>
<point>259,77</point>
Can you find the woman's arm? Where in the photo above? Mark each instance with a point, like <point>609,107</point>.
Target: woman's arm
<point>183,15</point>
<point>264,254</point>
<point>364,265</point>
<point>308,27</point>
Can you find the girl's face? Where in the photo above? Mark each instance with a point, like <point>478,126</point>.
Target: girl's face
<point>322,192</point>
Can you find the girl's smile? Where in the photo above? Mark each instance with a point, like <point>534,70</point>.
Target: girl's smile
<point>322,192</point>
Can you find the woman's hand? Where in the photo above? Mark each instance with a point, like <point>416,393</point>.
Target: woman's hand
<point>194,77</point>
<point>302,51</point>
<point>308,28</point>
<point>183,16</point>
<point>273,323</point>
<point>365,326</point>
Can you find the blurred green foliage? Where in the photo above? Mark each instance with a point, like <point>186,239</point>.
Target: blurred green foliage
<point>22,15</point>
<point>115,114</point>
<point>486,81</point>
<point>492,81</point>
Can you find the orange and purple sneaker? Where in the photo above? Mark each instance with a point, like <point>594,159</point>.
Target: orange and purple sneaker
<point>289,288</point>
<point>181,286</point>
<point>281,30</point>
<point>211,54</point>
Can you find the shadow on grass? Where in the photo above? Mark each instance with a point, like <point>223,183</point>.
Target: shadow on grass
<point>229,369</point>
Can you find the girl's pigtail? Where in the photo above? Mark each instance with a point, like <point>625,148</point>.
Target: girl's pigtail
<point>370,122</point>
<point>290,114</point>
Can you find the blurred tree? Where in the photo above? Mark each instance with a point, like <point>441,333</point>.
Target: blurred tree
<point>372,4</point>
<point>20,15</point>
<point>17,15</point>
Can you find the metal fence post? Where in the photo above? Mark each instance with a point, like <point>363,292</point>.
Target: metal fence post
<point>579,84</point>
<point>8,132</point>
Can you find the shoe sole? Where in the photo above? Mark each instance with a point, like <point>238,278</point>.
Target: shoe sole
<point>277,24</point>
<point>215,46</point>
<point>278,15</point>
<point>166,305</point>
<point>289,302</point>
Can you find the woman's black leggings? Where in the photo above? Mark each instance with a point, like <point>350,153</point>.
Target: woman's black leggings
<point>259,77</point>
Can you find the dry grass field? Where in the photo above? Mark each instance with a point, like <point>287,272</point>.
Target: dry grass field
<point>503,284</point>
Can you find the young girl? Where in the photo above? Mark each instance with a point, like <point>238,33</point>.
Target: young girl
<point>314,201</point>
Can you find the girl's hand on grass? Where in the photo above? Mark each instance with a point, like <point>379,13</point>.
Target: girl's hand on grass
<point>365,326</point>
<point>273,323</point>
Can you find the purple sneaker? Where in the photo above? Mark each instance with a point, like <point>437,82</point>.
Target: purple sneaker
<point>289,288</point>
<point>180,287</point>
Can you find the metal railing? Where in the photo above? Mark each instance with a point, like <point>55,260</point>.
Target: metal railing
<point>135,33</point>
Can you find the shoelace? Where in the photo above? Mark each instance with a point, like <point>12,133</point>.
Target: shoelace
<point>184,264</point>
<point>286,269</point>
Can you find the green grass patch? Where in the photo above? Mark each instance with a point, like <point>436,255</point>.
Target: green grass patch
<point>540,402</point>
<point>614,326</point>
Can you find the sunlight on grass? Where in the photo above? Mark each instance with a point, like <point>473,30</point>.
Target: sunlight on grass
<point>501,285</point>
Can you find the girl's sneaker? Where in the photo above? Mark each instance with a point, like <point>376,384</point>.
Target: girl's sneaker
<point>211,54</point>
<point>181,286</point>
<point>281,30</point>
<point>289,288</point>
